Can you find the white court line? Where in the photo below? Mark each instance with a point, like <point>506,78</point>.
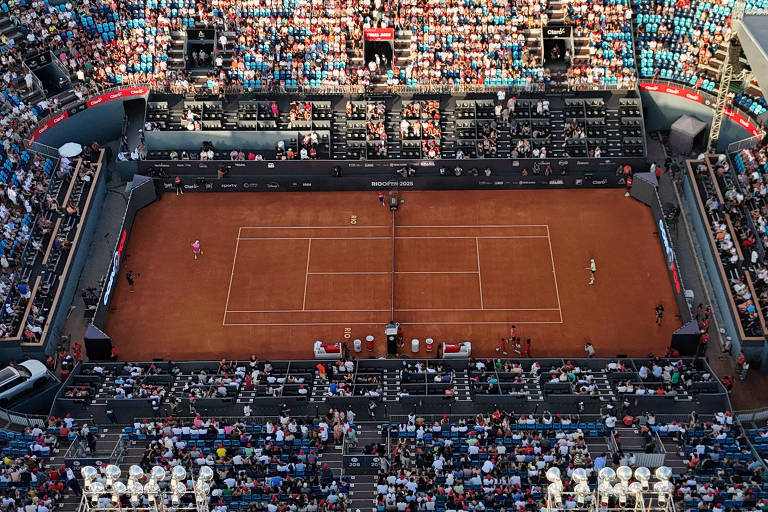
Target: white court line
<point>384,237</point>
<point>379,323</point>
<point>482,226</point>
<point>306,275</point>
<point>357,226</point>
<point>554,273</point>
<point>387,273</point>
<point>311,311</point>
<point>318,238</point>
<point>353,226</point>
<point>231,275</point>
<point>484,309</point>
<point>379,310</point>
<point>479,275</point>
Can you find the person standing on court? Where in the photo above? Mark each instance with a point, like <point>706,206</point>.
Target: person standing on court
<point>592,270</point>
<point>589,349</point>
<point>659,313</point>
<point>196,250</point>
<point>527,349</point>
<point>381,198</point>
<point>129,278</point>
<point>179,186</point>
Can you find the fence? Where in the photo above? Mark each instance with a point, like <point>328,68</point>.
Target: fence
<point>23,420</point>
<point>753,415</point>
<point>748,142</point>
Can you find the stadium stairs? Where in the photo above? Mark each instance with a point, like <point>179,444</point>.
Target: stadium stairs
<point>362,486</point>
<point>8,28</point>
<point>403,55</point>
<point>176,57</point>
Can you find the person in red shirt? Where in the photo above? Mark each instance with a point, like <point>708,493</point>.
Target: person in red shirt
<point>381,197</point>
<point>502,346</point>
<point>527,349</point>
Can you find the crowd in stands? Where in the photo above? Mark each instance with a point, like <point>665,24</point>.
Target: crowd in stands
<point>731,227</point>
<point>607,26</point>
<point>458,42</point>
<point>277,464</point>
<point>29,482</point>
<point>678,40</point>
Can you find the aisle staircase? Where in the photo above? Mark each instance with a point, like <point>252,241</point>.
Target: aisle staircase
<point>363,485</point>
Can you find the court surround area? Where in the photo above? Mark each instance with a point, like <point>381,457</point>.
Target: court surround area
<point>282,270</point>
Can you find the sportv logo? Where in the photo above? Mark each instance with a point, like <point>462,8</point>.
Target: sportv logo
<point>670,255</point>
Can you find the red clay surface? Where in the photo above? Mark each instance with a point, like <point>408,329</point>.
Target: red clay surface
<point>281,270</point>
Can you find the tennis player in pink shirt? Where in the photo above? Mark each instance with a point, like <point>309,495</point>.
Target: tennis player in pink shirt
<point>196,250</point>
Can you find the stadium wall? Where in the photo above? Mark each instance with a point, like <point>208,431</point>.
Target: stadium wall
<point>665,104</point>
<point>99,118</point>
<point>142,193</point>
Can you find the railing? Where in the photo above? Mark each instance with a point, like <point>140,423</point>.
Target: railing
<point>23,420</point>
<point>749,142</point>
<point>753,415</point>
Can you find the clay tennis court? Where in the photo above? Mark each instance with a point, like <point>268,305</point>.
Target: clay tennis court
<point>281,270</point>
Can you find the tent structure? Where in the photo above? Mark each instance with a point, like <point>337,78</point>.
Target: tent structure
<point>683,132</point>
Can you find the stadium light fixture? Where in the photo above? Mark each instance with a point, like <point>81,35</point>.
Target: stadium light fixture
<point>155,491</point>
<point>619,490</point>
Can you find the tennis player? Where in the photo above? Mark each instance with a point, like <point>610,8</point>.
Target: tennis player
<point>196,250</point>
<point>592,269</point>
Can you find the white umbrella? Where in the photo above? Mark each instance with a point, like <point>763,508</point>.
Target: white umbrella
<point>70,149</point>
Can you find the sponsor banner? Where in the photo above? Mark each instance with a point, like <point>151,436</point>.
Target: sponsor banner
<point>116,95</point>
<point>379,34</point>
<point>308,183</point>
<point>741,120</point>
<point>41,129</point>
<point>557,31</point>
<point>674,91</point>
<point>386,171</point>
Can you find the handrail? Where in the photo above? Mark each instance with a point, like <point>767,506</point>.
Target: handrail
<point>747,142</point>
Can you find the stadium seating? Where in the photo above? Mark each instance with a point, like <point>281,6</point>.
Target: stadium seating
<point>730,225</point>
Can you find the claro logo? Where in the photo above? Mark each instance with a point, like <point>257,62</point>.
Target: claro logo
<point>115,267</point>
<point>551,32</point>
<point>96,101</point>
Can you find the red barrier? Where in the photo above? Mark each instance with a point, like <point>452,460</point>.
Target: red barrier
<point>734,115</point>
<point>741,120</point>
<point>674,91</point>
<point>41,129</point>
<point>102,98</point>
<point>116,95</point>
